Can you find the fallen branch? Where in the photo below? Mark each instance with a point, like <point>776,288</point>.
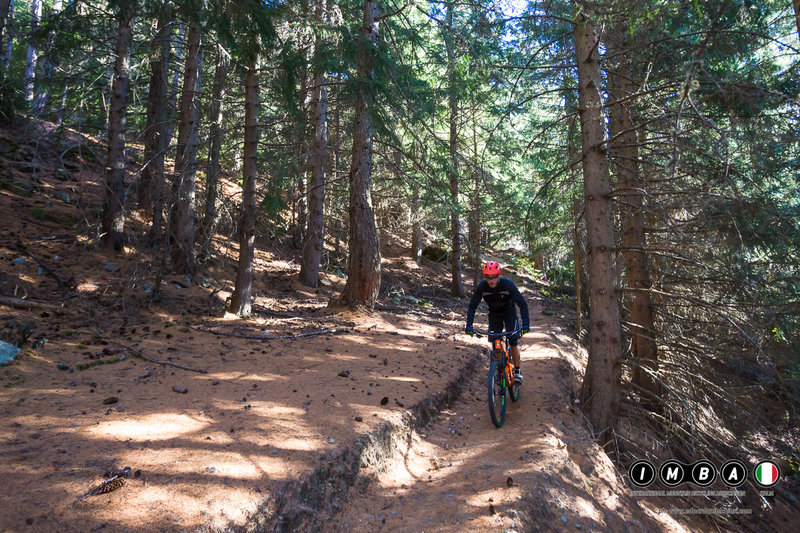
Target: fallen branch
<point>271,337</point>
<point>262,311</point>
<point>26,304</point>
<point>136,352</point>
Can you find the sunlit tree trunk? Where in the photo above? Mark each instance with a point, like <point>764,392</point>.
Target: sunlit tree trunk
<point>364,261</point>
<point>30,63</point>
<point>214,150</point>
<point>456,286</point>
<point>242,297</point>
<point>416,225</point>
<point>114,191</point>
<point>626,156</point>
<point>151,188</point>
<point>182,210</point>
<point>600,393</point>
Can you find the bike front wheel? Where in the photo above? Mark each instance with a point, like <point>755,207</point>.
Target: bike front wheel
<point>513,391</point>
<point>497,394</point>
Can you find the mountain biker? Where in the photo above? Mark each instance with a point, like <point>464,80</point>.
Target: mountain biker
<point>500,294</point>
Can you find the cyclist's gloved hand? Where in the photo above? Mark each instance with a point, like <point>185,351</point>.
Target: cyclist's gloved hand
<point>524,331</point>
<point>469,331</point>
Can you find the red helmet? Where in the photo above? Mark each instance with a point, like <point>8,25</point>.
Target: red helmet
<point>491,269</point>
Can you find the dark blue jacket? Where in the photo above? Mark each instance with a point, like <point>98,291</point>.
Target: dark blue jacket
<point>501,300</point>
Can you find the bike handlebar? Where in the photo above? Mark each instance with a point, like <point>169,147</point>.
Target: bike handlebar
<point>478,333</point>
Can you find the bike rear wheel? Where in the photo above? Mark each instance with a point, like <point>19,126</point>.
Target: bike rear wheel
<point>497,394</point>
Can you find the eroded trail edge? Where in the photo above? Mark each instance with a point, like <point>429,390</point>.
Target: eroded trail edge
<point>312,501</point>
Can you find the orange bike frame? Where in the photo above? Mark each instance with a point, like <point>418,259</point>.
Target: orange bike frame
<point>498,345</point>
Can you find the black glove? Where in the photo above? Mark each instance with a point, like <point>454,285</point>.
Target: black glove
<point>469,331</point>
<point>524,331</point>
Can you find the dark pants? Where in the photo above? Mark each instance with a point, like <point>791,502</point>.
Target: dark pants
<point>499,322</point>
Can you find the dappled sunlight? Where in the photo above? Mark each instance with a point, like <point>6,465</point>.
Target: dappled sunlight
<point>267,409</point>
<point>302,443</point>
<point>265,378</point>
<point>87,286</point>
<point>480,499</point>
<point>211,463</point>
<point>279,409</point>
<point>403,378</point>
<point>157,426</point>
<point>587,509</point>
<point>205,502</point>
<point>246,376</point>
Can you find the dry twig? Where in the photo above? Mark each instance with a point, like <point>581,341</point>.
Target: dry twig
<point>271,337</point>
<point>138,353</point>
<point>19,303</point>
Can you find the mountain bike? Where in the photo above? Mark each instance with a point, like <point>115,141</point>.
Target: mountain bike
<point>501,377</point>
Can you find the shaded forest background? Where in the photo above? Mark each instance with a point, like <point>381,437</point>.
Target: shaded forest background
<point>641,157</point>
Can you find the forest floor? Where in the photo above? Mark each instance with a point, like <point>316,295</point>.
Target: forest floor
<point>373,421</point>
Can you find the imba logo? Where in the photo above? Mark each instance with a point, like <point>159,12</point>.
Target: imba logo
<point>701,473</point>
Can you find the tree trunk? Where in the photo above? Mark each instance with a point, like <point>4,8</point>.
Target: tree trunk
<point>456,286</point>
<point>182,221</point>
<point>364,261</point>
<point>626,155</point>
<point>300,198</point>
<point>600,393</point>
<point>8,48</point>
<point>42,100</point>
<point>151,186</point>
<point>108,86</point>
<point>174,87</point>
<point>5,6</point>
<point>416,227</point>
<point>796,5</point>
<point>114,200</point>
<point>214,150</point>
<point>475,232</point>
<point>242,297</point>
<point>32,59</point>
<point>312,249</point>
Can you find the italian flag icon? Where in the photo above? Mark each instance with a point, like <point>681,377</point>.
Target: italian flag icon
<point>767,473</point>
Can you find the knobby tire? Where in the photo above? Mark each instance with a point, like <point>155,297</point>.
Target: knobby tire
<point>513,391</point>
<point>497,394</point>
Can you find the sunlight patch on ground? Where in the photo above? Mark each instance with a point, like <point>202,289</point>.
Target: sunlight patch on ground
<point>159,426</point>
<point>213,465</point>
<point>144,501</point>
<point>264,377</point>
<point>278,409</point>
<point>481,499</point>
<point>303,444</point>
<point>587,509</point>
<point>87,286</point>
<point>244,376</point>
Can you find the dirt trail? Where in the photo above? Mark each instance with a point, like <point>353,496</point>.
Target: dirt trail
<point>541,471</point>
